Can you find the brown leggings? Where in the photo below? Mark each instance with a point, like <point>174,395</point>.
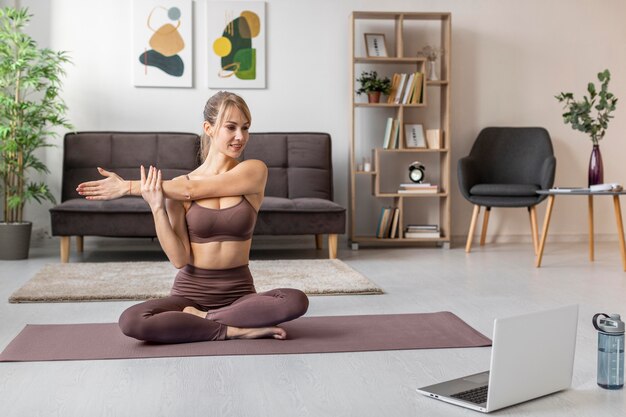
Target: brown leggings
<point>163,320</point>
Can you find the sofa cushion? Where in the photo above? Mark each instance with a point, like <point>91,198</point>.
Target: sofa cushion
<point>121,205</point>
<point>303,205</point>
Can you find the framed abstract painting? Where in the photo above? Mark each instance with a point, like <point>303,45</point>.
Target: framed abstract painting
<point>235,44</point>
<point>162,43</point>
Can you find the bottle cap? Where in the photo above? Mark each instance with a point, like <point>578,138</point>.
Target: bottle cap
<point>611,323</point>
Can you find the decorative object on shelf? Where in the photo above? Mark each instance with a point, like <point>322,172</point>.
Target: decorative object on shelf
<point>417,171</point>
<point>373,86</point>
<point>235,36</point>
<point>414,136</point>
<point>591,116</point>
<point>375,45</point>
<point>433,138</point>
<point>162,44</point>
<point>431,54</point>
<point>31,81</point>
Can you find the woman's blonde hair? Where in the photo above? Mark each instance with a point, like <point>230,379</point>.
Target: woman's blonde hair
<point>215,111</point>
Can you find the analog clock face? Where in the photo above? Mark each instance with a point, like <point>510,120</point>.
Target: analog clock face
<point>416,174</point>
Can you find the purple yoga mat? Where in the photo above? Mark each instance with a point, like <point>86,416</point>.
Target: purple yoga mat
<point>49,342</point>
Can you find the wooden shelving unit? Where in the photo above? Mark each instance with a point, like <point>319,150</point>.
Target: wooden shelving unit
<point>401,28</point>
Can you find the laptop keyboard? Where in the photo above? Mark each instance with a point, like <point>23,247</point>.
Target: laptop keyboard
<point>475,395</point>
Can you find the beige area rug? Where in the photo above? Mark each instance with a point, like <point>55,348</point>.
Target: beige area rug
<point>103,281</point>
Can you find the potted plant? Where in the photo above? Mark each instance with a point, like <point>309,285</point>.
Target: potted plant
<point>373,86</point>
<point>591,115</point>
<point>29,107</point>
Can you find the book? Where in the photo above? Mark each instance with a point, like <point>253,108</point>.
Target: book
<point>408,91</point>
<point>395,134</point>
<point>393,231</point>
<point>421,235</point>
<point>416,227</point>
<point>394,88</point>
<point>433,138</point>
<point>383,222</point>
<point>417,90</point>
<point>401,83</point>
<point>387,136</point>
<point>433,189</point>
<point>416,185</point>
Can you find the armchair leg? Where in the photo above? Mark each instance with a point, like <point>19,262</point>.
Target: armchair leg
<point>332,246</point>
<point>483,234</point>
<point>318,241</point>
<point>533,227</point>
<point>80,244</point>
<point>65,249</point>
<point>470,234</point>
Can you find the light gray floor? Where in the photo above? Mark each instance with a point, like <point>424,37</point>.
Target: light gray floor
<point>494,281</point>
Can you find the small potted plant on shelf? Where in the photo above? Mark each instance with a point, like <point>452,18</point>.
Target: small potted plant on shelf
<point>373,86</point>
<point>591,115</point>
<point>29,106</point>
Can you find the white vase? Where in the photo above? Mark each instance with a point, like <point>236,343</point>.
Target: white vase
<point>431,71</point>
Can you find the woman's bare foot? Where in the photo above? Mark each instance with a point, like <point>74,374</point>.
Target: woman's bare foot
<point>255,333</point>
<point>195,312</point>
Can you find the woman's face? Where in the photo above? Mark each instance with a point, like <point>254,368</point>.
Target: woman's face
<point>232,137</point>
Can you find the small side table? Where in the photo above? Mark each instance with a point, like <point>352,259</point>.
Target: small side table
<point>618,218</point>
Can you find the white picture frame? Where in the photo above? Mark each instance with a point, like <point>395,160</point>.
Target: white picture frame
<point>223,25</point>
<point>375,45</point>
<point>414,136</point>
<point>162,43</point>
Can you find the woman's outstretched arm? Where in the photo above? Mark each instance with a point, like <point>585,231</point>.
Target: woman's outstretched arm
<point>246,178</point>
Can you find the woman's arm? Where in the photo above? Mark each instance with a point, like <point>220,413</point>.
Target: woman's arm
<point>248,177</point>
<point>169,222</point>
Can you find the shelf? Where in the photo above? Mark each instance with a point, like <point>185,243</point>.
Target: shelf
<point>367,127</point>
<point>389,60</point>
<point>391,105</point>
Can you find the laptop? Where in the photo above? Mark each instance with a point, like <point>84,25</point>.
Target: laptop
<point>532,356</point>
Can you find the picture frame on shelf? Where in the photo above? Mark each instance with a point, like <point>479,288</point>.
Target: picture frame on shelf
<point>375,45</point>
<point>414,136</point>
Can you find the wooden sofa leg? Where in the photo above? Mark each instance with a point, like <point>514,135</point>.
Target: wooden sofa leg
<point>65,249</point>
<point>332,246</point>
<point>318,241</point>
<point>79,244</point>
<point>470,234</point>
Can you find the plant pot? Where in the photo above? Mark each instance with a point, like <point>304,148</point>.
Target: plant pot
<point>373,97</point>
<point>596,170</point>
<point>14,240</point>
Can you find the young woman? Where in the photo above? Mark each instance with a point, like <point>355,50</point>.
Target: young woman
<point>204,222</point>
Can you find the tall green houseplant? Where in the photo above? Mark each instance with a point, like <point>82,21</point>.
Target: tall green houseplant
<point>30,107</point>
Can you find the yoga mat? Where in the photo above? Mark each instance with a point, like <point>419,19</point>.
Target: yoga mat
<point>305,335</point>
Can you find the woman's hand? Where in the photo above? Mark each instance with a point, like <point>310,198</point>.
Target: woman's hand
<point>151,190</point>
<point>109,188</point>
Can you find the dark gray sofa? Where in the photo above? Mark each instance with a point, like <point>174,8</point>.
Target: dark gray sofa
<point>298,197</point>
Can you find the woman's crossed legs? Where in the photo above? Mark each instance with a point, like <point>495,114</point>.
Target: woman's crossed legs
<point>176,319</point>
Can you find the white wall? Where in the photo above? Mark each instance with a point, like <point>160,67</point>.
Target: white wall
<point>509,58</point>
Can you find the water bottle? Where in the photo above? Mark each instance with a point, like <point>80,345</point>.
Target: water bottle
<point>610,350</point>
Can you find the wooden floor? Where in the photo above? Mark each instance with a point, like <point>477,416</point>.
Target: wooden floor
<point>493,281</point>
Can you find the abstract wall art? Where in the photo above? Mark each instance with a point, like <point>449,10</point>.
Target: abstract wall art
<point>162,43</point>
<point>236,44</point>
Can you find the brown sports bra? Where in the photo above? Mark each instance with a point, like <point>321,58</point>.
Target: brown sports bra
<point>235,223</point>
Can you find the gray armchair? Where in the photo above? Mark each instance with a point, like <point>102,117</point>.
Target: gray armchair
<point>505,168</point>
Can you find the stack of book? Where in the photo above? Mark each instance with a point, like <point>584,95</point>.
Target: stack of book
<point>392,134</point>
<point>420,231</point>
<point>414,188</point>
<point>406,88</point>
<point>388,227</point>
